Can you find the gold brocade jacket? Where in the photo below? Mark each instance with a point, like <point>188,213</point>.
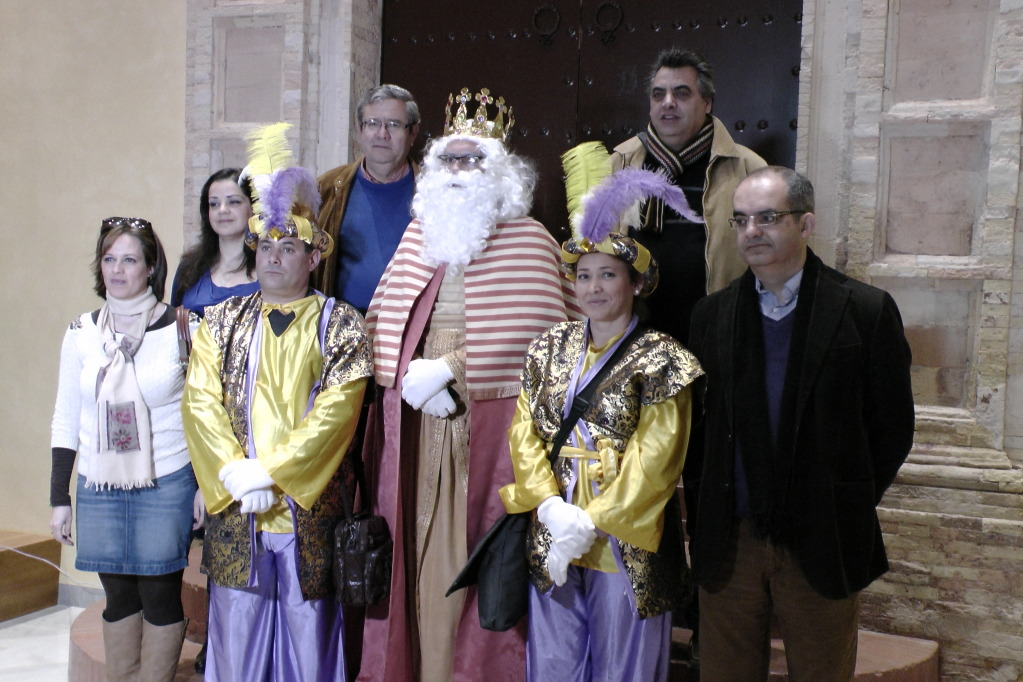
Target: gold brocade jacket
<point>641,410</point>
<point>215,411</point>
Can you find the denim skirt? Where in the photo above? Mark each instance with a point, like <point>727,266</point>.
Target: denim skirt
<point>142,531</point>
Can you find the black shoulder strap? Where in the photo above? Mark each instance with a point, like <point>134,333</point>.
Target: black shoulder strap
<point>585,395</point>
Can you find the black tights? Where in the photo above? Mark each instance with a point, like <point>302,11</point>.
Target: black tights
<point>158,597</point>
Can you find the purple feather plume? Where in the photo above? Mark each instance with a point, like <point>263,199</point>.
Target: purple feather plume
<point>622,189</point>
<point>288,186</point>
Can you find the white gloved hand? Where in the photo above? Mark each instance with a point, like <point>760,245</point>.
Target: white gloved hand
<point>440,405</point>
<point>258,501</point>
<point>570,526</point>
<point>557,563</point>
<point>243,476</point>
<point>424,379</point>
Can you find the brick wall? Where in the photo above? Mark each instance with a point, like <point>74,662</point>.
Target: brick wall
<point>254,62</point>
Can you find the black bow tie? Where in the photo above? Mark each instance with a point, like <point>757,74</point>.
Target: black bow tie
<point>279,321</point>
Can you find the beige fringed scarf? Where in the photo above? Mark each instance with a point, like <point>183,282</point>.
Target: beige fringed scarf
<point>125,440</point>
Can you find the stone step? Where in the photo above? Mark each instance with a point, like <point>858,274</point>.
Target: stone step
<point>26,583</point>
<point>879,658</point>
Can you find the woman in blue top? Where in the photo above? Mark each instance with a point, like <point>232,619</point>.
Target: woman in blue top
<point>219,266</point>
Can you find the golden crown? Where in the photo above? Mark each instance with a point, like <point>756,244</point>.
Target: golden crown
<point>479,125</point>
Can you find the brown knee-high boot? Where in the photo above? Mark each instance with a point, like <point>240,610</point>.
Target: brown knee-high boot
<point>122,646</point>
<point>161,649</point>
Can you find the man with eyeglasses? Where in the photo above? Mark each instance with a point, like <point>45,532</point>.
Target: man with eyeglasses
<point>365,204</point>
<point>809,415</point>
<point>472,282</point>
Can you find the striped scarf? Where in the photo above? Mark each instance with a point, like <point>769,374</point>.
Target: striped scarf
<point>513,292</point>
<point>672,164</point>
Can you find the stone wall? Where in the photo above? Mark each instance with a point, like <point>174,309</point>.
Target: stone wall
<point>911,134</point>
<point>955,577</point>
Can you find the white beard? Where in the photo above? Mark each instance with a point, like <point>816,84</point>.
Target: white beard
<point>457,213</point>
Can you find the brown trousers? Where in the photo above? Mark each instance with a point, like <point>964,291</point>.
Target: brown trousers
<point>761,579</point>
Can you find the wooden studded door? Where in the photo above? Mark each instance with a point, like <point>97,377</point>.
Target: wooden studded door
<point>577,70</point>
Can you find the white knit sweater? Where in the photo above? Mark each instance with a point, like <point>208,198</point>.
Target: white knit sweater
<point>161,379</point>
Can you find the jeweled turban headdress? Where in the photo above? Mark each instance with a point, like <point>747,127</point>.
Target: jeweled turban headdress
<point>286,196</point>
<point>598,200</point>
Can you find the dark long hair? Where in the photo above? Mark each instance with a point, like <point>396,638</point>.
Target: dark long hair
<point>201,257</point>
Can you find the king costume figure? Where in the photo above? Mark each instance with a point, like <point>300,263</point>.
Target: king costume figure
<point>273,395</point>
<point>473,280</point>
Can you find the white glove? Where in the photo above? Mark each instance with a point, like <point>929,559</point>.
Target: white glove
<point>557,563</point>
<point>570,526</point>
<point>440,405</point>
<point>243,476</point>
<point>258,501</point>
<point>425,379</point>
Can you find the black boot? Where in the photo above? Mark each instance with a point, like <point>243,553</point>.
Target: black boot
<point>200,659</point>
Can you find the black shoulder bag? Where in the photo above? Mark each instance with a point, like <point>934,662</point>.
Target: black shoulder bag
<point>362,549</point>
<point>499,566</point>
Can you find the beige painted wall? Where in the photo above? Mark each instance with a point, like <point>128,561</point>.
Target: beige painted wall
<point>91,125</point>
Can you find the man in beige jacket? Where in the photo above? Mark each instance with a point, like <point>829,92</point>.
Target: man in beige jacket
<point>695,150</point>
<point>693,147</point>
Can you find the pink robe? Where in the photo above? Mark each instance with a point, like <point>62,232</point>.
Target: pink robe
<point>390,453</point>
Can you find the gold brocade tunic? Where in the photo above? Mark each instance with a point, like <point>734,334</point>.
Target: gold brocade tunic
<point>301,452</point>
<point>442,483</point>
<point>667,415</point>
<point>641,411</point>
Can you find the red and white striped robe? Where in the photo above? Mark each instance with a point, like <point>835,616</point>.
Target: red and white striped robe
<point>513,291</point>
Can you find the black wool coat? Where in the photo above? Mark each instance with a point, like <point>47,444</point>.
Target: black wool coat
<point>848,422</point>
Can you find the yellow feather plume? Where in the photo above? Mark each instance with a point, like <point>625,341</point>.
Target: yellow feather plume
<point>269,149</point>
<point>585,165</point>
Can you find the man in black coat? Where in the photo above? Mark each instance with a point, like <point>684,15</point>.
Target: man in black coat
<point>809,415</point>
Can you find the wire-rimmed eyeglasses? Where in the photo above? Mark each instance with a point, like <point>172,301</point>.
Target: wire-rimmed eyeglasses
<point>765,219</point>
<point>392,125</point>
<point>463,160</point>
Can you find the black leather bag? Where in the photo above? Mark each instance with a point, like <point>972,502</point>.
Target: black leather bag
<point>499,568</point>
<point>499,565</point>
<point>363,551</point>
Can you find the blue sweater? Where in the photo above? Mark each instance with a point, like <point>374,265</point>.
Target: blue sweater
<point>777,339</point>
<point>375,219</point>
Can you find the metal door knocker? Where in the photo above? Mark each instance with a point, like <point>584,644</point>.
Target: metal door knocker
<point>546,21</point>
<point>608,17</point>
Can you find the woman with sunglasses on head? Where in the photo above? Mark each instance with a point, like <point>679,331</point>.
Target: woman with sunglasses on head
<point>219,266</point>
<point>118,410</point>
